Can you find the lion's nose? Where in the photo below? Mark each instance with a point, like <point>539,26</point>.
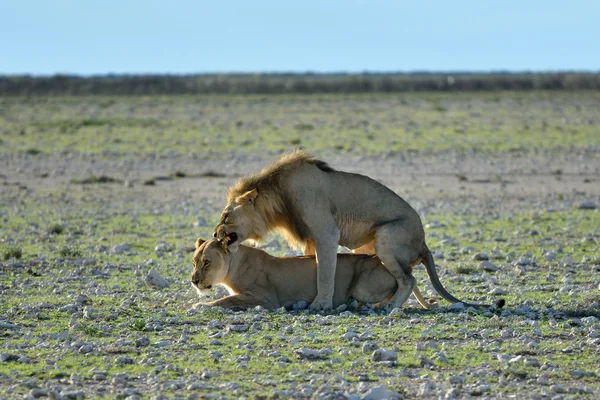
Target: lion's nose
<point>215,234</point>
<point>195,281</point>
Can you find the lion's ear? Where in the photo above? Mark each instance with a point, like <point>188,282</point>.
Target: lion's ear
<point>199,242</point>
<point>247,197</point>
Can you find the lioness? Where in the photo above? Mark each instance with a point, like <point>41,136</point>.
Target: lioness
<point>255,278</point>
<point>315,207</point>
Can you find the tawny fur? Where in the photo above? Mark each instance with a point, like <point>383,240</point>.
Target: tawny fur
<point>316,207</point>
<point>255,278</point>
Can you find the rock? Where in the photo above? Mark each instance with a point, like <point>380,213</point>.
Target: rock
<point>481,257</point>
<point>497,291</point>
<point>575,322</point>
<point>380,393</point>
<point>426,389</point>
<point>73,394</point>
<point>587,205</point>
<point>154,279</point>
<point>163,247</point>
<point>8,325</point>
<point>142,342</point>
<point>123,360</point>
<point>425,362</point>
<point>300,305</point>
<point>488,266</point>
<point>383,355</point>
<point>456,307</point>
<point>309,354</point>
<point>86,348</point>
<point>5,357</point>
<point>120,248</point>
<point>558,388</point>
<point>215,355</point>
<point>237,328</point>
<point>349,336</point>
<point>37,393</point>
<point>532,362</point>
<point>369,347</point>
<point>523,261</point>
<point>69,308</point>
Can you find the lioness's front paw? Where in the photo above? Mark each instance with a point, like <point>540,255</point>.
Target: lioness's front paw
<point>318,304</point>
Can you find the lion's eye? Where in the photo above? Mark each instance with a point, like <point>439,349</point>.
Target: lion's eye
<point>206,263</point>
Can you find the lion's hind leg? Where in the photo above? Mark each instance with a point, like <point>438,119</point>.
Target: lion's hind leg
<point>392,244</point>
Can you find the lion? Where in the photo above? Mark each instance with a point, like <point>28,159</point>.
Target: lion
<point>316,207</point>
<point>255,278</point>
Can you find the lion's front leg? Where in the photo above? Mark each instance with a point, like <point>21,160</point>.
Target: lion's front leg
<point>326,249</point>
<point>242,300</point>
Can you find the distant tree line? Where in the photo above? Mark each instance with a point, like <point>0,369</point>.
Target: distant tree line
<point>128,85</point>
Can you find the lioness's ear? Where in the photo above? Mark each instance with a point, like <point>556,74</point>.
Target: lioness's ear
<point>199,242</point>
<point>247,197</point>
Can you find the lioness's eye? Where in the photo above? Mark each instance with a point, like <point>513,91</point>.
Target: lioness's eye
<point>206,263</point>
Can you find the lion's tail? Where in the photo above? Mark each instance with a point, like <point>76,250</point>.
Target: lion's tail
<point>437,285</point>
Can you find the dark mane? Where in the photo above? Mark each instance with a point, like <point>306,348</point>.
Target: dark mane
<point>271,175</point>
<point>274,202</point>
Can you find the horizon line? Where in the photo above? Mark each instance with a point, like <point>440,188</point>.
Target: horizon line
<point>415,72</point>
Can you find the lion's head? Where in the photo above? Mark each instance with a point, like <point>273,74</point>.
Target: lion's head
<point>241,219</point>
<point>211,264</point>
<point>260,203</point>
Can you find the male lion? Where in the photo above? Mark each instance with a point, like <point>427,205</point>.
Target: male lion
<point>255,278</point>
<point>315,207</point>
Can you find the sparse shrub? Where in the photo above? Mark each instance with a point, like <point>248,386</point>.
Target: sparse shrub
<point>69,252</point>
<point>304,127</point>
<point>12,252</point>
<point>33,151</point>
<point>138,325</point>
<point>56,229</point>
<point>465,269</point>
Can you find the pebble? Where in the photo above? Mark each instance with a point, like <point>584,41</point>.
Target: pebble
<point>456,307</point>
<point>488,266</point>
<point>369,347</point>
<point>383,355</point>
<point>558,388</point>
<point>497,291</point>
<point>380,393</point>
<point>154,279</point>
<point>309,354</point>
<point>426,389</point>
<point>237,328</point>
<point>300,305</point>
<point>587,205</point>
<point>8,325</point>
<point>120,248</point>
<point>481,257</point>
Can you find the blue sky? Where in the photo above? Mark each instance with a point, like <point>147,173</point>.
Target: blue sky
<point>184,36</point>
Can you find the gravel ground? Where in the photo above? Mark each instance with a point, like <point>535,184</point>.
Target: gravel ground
<point>114,319</point>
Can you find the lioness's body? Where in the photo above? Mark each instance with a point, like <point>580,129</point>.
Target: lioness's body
<point>256,278</point>
<point>316,207</point>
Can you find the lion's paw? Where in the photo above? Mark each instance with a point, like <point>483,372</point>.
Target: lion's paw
<point>321,305</point>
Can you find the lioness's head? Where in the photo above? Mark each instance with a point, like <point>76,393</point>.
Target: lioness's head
<point>211,264</point>
<point>241,220</point>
